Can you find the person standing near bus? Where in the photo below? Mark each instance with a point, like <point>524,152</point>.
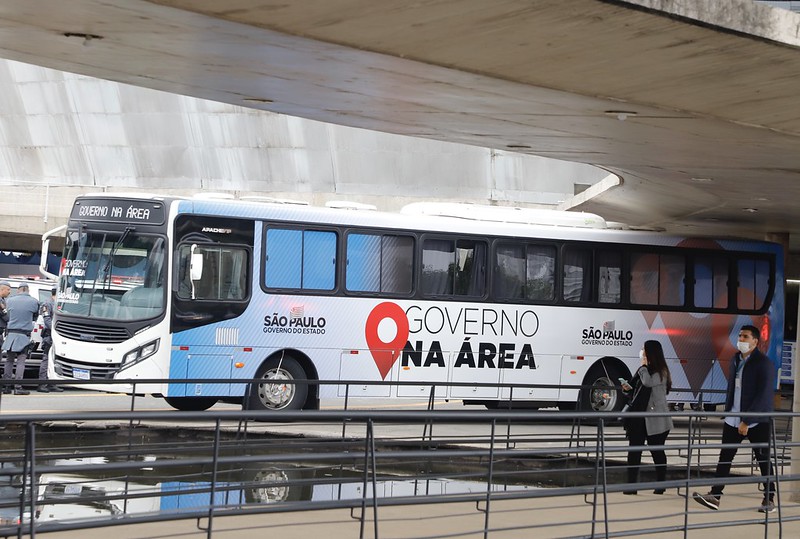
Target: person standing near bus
<point>750,399</point>
<point>652,382</point>
<point>22,311</point>
<point>5,290</point>
<point>46,311</point>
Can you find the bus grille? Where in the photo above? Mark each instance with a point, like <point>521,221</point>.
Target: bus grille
<point>66,367</point>
<point>91,332</point>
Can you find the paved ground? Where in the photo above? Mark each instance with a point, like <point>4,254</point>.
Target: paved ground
<point>523,519</point>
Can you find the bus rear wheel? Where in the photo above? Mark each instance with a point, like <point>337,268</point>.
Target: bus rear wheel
<point>191,404</point>
<point>272,393</point>
<point>599,393</point>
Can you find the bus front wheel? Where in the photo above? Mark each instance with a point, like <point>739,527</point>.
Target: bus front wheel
<point>191,404</point>
<point>272,393</point>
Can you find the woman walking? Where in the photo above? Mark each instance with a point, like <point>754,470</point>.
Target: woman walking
<point>648,392</point>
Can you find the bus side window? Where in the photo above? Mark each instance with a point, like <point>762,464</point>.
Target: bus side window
<point>525,271</point>
<point>672,280</point>
<point>224,276</point>
<point>363,263</point>
<point>397,264</point>
<point>658,279</point>
<point>753,284</point>
<point>454,267</point>
<point>470,270</point>
<point>577,274</point>
<point>319,260</point>
<point>300,259</point>
<point>378,263</point>
<point>644,279</point>
<point>184,289</point>
<point>609,265</point>
<point>284,258</point>
<point>711,282</point>
<point>510,271</point>
<point>206,287</point>
<point>438,266</point>
<point>540,276</point>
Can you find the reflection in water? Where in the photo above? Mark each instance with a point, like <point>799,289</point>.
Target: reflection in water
<point>66,496</point>
<point>150,471</point>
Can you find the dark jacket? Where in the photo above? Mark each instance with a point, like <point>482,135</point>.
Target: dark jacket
<point>758,386</point>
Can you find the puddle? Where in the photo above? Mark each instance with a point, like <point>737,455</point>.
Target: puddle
<point>102,474</point>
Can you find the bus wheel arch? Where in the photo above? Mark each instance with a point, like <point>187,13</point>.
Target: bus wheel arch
<point>287,364</point>
<point>191,404</point>
<point>599,391</point>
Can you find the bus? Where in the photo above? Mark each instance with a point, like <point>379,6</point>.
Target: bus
<point>492,306</point>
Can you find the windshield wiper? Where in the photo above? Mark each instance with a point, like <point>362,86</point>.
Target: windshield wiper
<point>107,267</point>
<point>117,245</point>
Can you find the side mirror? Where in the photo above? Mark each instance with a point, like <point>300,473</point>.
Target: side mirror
<point>196,272</point>
<point>196,265</point>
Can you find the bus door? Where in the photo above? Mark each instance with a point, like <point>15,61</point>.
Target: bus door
<point>212,280</point>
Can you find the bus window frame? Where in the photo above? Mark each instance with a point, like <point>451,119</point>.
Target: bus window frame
<point>302,227</point>
<point>249,267</point>
<point>486,297</point>
<point>380,233</point>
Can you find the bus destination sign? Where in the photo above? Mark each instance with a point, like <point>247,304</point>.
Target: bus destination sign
<point>119,211</point>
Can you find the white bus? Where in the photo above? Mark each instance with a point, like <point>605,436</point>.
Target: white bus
<point>476,297</point>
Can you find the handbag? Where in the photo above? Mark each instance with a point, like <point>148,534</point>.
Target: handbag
<point>638,398</point>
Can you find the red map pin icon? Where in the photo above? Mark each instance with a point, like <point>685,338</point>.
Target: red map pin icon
<point>386,353</point>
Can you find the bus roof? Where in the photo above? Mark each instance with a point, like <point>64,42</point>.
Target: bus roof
<point>474,219</point>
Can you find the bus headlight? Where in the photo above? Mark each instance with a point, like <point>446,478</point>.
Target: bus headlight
<point>138,354</point>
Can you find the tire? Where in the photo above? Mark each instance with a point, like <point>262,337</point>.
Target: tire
<point>274,485</point>
<point>600,393</point>
<point>277,396</point>
<point>191,404</point>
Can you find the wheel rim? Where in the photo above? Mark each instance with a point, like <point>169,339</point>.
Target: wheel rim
<point>276,395</point>
<point>602,396</point>
<point>277,489</point>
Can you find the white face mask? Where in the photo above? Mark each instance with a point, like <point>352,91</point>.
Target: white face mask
<point>743,347</point>
<point>641,354</point>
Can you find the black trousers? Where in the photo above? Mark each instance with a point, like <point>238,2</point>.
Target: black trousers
<point>757,435</point>
<point>637,435</point>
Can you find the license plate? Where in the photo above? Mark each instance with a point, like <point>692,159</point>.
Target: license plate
<point>72,489</point>
<point>80,374</point>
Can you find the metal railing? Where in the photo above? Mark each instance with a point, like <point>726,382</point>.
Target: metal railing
<point>195,467</point>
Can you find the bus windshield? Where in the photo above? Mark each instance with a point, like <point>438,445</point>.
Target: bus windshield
<point>112,275</point>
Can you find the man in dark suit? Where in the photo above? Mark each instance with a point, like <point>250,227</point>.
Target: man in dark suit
<point>751,390</point>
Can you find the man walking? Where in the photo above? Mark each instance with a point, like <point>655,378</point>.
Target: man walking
<point>22,311</point>
<point>751,388</point>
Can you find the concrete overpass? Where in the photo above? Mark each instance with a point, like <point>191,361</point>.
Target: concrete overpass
<point>68,134</point>
<point>693,105</point>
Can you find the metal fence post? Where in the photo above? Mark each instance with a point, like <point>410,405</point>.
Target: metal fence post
<point>489,479</point>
